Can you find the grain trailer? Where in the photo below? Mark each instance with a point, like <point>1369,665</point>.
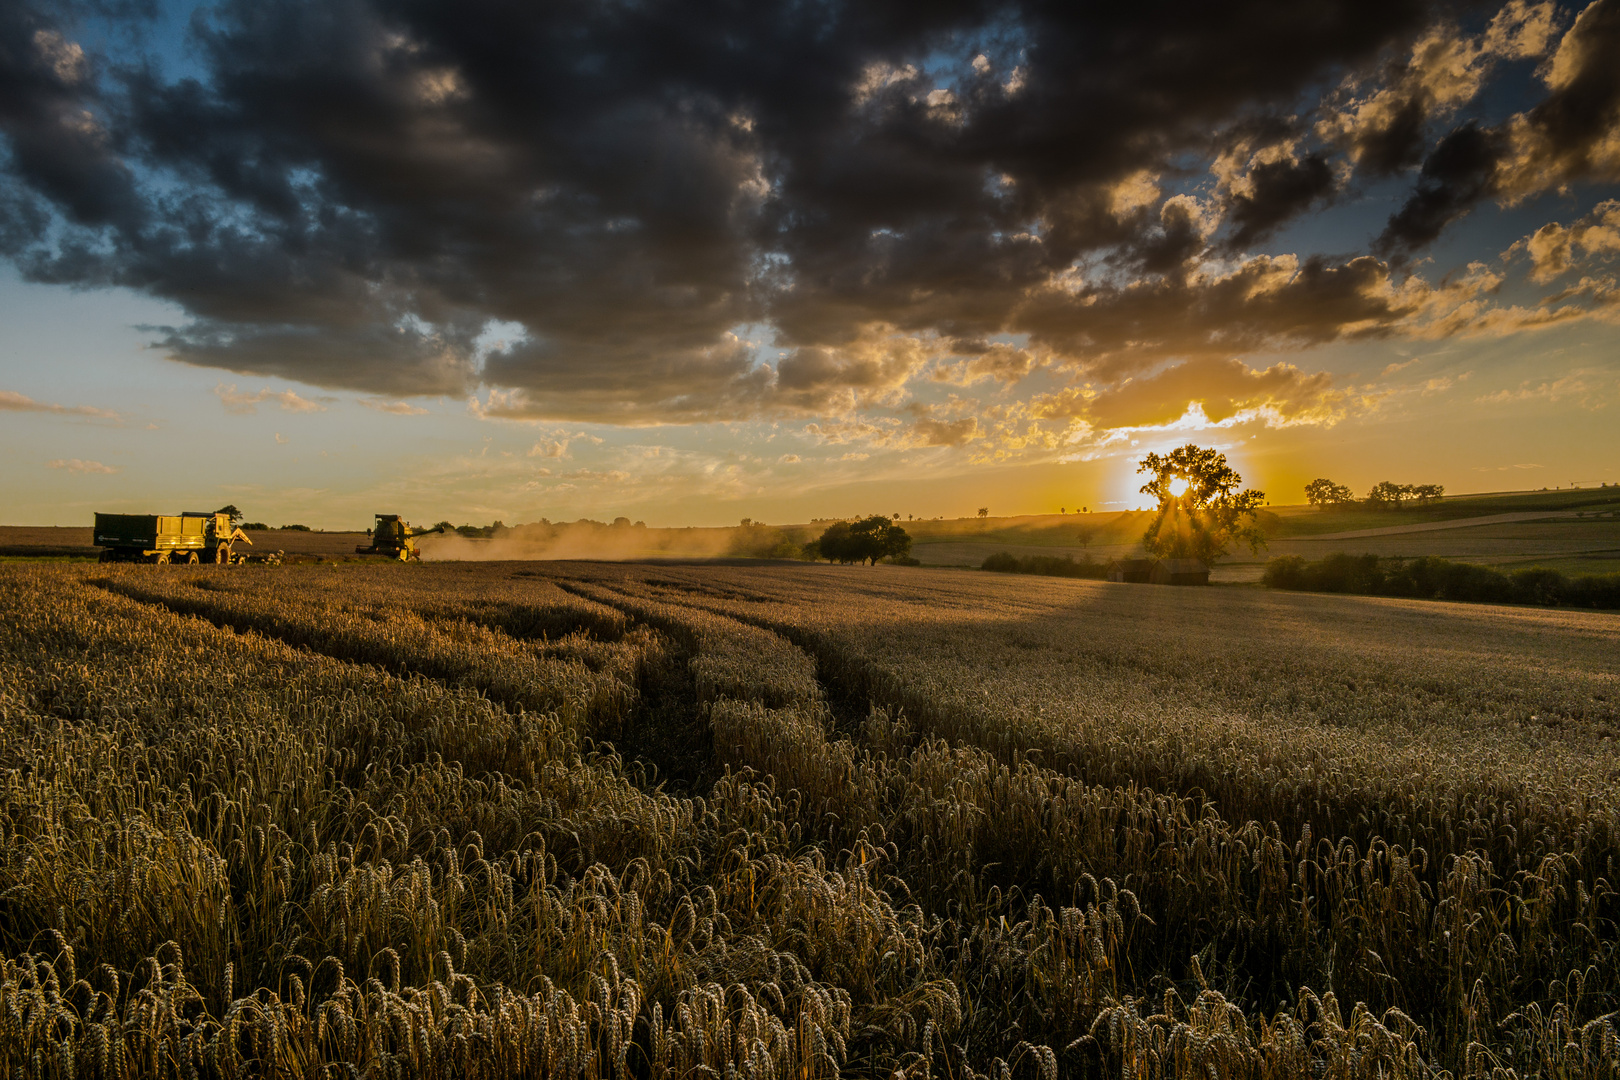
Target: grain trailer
<point>188,538</point>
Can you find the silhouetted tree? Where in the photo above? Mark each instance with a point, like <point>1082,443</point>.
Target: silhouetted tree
<point>231,510</point>
<point>866,540</point>
<point>894,542</point>
<point>1387,495</point>
<point>836,544</point>
<point>1201,509</point>
<point>1325,493</point>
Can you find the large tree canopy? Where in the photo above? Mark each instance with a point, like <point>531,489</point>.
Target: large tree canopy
<point>1202,505</point>
<point>866,540</point>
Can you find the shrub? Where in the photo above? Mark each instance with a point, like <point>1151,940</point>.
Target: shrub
<point>1005,562</point>
<point>1285,572</point>
<point>1432,578</point>
<point>1593,591</point>
<point>1339,573</point>
<point>1349,573</point>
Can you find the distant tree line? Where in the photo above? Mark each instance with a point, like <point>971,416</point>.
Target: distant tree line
<point>1385,495</point>
<point>1430,578</point>
<point>471,532</point>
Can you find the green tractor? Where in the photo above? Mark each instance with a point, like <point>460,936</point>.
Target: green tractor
<point>392,537</point>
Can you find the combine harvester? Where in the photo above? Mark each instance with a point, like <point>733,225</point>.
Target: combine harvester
<point>392,538</point>
<point>188,539</point>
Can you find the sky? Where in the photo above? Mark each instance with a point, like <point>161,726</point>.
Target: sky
<point>692,262</point>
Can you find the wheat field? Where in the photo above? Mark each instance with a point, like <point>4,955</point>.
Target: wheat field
<point>595,820</point>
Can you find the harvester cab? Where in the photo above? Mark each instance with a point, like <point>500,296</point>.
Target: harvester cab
<point>393,538</point>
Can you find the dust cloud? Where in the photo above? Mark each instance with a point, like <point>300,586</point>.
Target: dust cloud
<point>594,540</point>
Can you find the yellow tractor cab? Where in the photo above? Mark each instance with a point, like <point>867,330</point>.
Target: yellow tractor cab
<point>392,537</point>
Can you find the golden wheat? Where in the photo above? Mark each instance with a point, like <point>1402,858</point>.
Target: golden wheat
<point>302,821</point>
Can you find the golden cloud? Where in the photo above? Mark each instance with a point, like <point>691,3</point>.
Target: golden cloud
<point>1223,390</point>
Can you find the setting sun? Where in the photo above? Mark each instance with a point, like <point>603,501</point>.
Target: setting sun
<point>1178,487</point>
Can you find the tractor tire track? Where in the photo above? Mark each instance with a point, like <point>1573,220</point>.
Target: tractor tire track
<point>652,719</point>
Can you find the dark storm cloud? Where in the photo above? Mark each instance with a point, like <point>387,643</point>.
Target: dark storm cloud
<point>1279,191</point>
<point>1397,141</point>
<point>1571,134</point>
<point>58,148</point>
<point>1460,172</point>
<point>1575,132</point>
<point>1119,332</point>
<point>350,192</point>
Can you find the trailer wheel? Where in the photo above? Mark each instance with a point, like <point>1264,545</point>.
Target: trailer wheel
<point>222,555</point>
<point>192,559</point>
<point>162,558</point>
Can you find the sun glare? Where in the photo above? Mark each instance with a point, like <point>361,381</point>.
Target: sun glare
<point>1178,487</point>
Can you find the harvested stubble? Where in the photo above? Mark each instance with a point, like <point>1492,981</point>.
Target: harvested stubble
<point>296,821</point>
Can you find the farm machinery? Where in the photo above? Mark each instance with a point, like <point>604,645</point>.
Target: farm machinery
<point>392,537</point>
<point>188,539</point>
